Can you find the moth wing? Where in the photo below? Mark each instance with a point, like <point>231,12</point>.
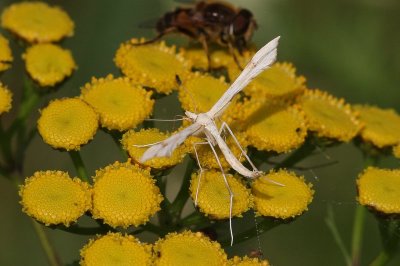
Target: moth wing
<point>262,60</point>
<point>166,147</point>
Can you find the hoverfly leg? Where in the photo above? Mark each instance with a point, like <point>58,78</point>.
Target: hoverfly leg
<point>204,43</point>
<point>235,58</point>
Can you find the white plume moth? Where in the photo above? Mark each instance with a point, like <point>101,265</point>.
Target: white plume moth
<point>204,123</point>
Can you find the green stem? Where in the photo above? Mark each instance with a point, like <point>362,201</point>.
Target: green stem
<point>48,248</point>
<point>183,194</point>
<point>30,100</point>
<point>76,229</point>
<point>390,234</point>
<point>79,165</point>
<point>357,237</point>
<point>330,222</point>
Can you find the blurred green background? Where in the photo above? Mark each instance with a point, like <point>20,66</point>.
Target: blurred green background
<point>348,48</point>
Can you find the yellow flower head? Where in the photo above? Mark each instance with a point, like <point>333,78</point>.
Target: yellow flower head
<point>147,136</point>
<point>379,189</point>
<point>278,201</point>
<point>218,58</point>
<point>48,64</point>
<point>125,195</point>
<point>37,22</point>
<point>5,54</point>
<point>396,151</point>
<point>152,65</point>
<point>206,155</point>
<point>5,99</point>
<point>328,116</point>
<point>246,261</point>
<point>199,92</point>
<point>382,126</point>
<point>213,196</point>
<point>52,197</point>
<point>115,249</point>
<point>275,126</point>
<point>188,248</point>
<point>67,123</point>
<point>278,81</point>
<point>120,104</point>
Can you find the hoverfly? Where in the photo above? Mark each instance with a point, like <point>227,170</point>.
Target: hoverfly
<point>210,22</point>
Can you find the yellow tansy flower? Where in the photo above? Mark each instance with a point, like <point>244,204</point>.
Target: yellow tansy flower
<point>116,249</point>
<point>278,81</point>
<point>213,196</point>
<point>275,126</point>
<point>396,151</point>
<point>218,58</point>
<point>188,248</point>
<point>5,99</point>
<point>125,195</point>
<point>246,261</point>
<point>206,155</point>
<point>278,201</point>
<point>199,92</point>
<point>382,126</point>
<point>52,197</point>
<point>48,64</point>
<point>152,65</point>
<point>5,54</point>
<point>120,103</point>
<point>328,116</point>
<point>379,189</point>
<point>67,123</point>
<point>37,22</point>
<point>148,136</point>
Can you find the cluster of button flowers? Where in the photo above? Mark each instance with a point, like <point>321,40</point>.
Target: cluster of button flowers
<point>275,114</point>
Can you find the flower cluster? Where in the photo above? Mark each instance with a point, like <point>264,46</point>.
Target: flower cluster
<point>276,114</point>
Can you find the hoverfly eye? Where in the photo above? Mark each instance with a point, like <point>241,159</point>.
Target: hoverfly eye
<point>241,22</point>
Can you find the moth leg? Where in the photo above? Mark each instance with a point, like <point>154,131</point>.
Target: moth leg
<point>225,126</point>
<point>201,168</point>
<point>228,187</point>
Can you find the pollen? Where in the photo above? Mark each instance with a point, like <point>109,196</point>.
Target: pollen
<point>275,126</point>
<point>5,54</point>
<point>246,261</point>
<point>213,197</point>
<point>5,99</point>
<point>379,189</point>
<point>48,64</point>
<point>278,81</point>
<point>120,104</point>
<point>382,126</point>
<point>328,116</point>
<point>206,156</point>
<point>115,249</point>
<point>37,22</point>
<point>152,65</point>
<point>188,248</point>
<point>52,197</point>
<point>125,195</point>
<point>67,123</point>
<point>279,201</point>
<point>131,140</point>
